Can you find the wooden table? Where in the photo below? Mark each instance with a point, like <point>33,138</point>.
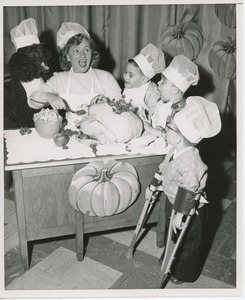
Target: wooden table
<point>43,209</point>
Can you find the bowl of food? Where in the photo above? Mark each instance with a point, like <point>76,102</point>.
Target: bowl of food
<point>47,122</point>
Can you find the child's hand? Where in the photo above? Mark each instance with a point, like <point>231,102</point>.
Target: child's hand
<point>162,132</point>
<point>148,193</point>
<point>155,131</point>
<point>177,221</point>
<point>142,114</point>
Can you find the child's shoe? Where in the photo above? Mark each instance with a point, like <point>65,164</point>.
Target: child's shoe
<point>175,280</point>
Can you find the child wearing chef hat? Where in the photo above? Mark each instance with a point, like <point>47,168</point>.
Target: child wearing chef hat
<point>176,79</point>
<point>185,175</point>
<point>139,89</point>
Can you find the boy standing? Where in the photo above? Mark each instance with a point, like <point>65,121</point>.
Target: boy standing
<point>184,173</point>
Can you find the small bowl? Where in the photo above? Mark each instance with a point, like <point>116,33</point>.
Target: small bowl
<point>48,130</point>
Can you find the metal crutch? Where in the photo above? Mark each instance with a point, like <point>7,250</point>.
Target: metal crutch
<point>188,207</point>
<point>154,188</point>
<point>171,249</point>
<point>144,214</point>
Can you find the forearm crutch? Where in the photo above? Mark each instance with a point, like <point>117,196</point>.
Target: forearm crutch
<point>144,214</point>
<point>185,203</point>
<point>171,249</point>
<point>154,188</point>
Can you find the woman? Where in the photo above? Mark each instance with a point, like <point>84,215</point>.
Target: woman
<point>79,83</point>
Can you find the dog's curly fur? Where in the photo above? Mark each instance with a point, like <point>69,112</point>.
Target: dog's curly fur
<point>24,66</point>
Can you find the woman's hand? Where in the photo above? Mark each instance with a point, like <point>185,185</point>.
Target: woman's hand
<point>55,101</point>
<point>98,99</point>
<point>177,221</point>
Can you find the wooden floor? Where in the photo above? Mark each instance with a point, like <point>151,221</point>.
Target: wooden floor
<point>54,265</point>
<point>61,270</point>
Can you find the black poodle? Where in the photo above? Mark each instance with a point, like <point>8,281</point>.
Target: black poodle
<point>28,63</point>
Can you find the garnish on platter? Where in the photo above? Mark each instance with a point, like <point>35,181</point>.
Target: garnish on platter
<point>120,105</point>
<point>85,139</point>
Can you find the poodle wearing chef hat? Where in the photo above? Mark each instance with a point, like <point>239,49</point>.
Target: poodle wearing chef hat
<point>29,68</point>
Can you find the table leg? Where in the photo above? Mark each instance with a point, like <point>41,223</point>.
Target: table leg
<point>20,214</point>
<point>161,222</point>
<point>79,236</point>
<point>24,254</point>
<point>7,180</point>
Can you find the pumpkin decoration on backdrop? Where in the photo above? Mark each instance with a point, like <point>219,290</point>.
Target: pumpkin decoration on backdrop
<point>222,58</point>
<point>104,188</point>
<point>185,38</point>
<point>111,121</point>
<point>226,13</point>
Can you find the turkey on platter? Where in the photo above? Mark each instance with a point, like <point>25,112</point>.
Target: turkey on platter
<point>111,121</point>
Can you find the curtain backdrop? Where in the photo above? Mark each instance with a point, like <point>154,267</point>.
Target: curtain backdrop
<point>121,31</point>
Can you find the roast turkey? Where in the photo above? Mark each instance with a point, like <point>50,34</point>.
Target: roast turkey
<point>103,123</point>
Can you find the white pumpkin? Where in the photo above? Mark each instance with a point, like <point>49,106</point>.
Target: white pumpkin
<point>104,188</point>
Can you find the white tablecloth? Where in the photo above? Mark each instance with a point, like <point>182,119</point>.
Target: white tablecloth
<point>32,148</point>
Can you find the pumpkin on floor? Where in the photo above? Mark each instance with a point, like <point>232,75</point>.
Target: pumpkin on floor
<point>185,38</point>
<point>104,188</point>
<point>222,58</point>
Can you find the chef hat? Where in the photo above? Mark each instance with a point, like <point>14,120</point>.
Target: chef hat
<point>24,34</point>
<point>182,72</point>
<point>151,60</point>
<point>68,30</point>
<point>199,119</point>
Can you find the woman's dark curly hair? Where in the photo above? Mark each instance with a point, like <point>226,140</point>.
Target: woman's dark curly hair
<point>76,40</point>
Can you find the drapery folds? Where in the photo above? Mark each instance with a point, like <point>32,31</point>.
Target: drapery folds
<point>121,31</point>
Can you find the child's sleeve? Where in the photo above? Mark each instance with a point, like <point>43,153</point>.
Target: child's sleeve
<point>194,175</point>
<point>151,98</point>
<point>108,84</point>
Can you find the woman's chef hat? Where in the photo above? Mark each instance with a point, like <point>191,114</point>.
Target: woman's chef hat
<point>25,34</point>
<point>151,60</point>
<point>199,119</point>
<point>182,72</point>
<point>68,30</point>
